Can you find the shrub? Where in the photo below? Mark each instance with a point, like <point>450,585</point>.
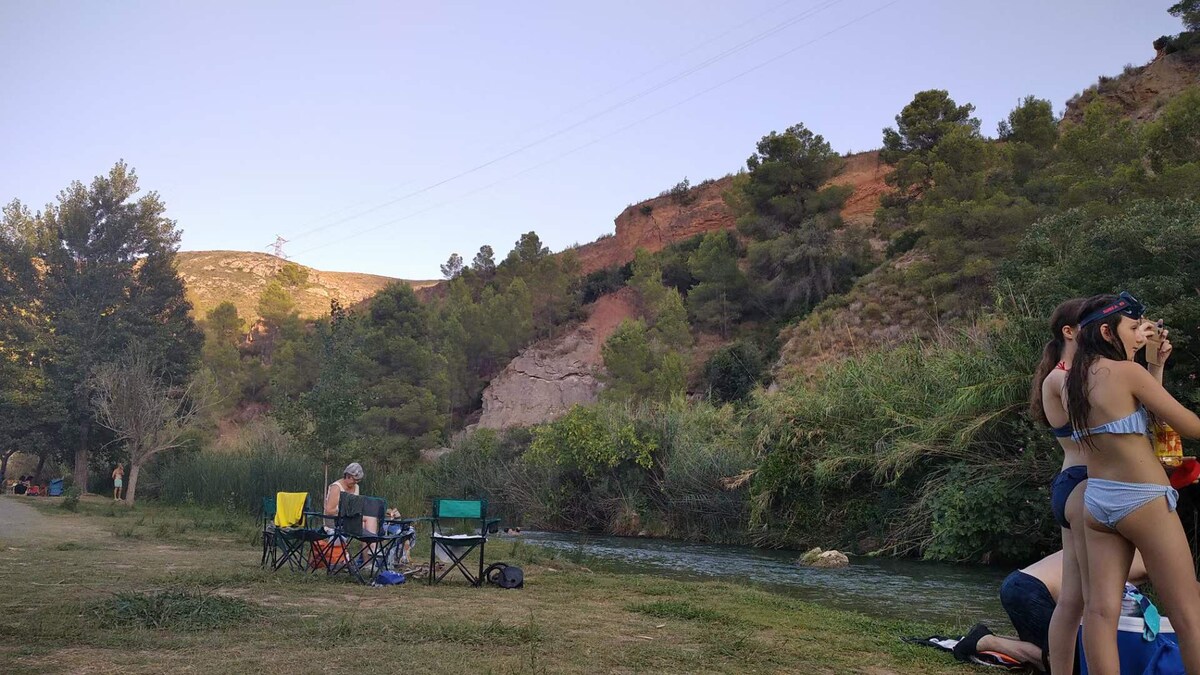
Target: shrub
<point>733,371</point>
<point>70,500</point>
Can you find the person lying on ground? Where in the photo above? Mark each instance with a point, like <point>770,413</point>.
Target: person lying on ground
<point>1029,596</point>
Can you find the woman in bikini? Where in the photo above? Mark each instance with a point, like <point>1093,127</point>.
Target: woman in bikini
<point>1128,499</point>
<point>1066,496</point>
<point>1046,405</point>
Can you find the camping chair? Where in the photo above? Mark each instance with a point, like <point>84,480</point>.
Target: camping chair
<point>56,487</point>
<point>287,538</point>
<point>267,519</point>
<point>458,509</point>
<point>365,553</point>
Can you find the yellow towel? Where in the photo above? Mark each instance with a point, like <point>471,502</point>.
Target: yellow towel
<point>289,508</point>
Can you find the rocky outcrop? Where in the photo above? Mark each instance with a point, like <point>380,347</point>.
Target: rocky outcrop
<point>1141,92</point>
<point>546,379</point>
<point>659,222</point>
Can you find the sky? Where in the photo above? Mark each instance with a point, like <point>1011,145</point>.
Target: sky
<point>383,136</point>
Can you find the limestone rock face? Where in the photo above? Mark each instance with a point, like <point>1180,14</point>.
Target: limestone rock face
<point>549,377</point>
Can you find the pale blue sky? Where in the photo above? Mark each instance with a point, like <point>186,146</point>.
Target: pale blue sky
<point>257,119</point>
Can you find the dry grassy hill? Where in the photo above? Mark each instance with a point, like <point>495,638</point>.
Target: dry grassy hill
<point>213,277</point>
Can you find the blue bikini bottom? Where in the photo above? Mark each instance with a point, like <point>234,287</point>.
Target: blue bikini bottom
<point>1109,501</point>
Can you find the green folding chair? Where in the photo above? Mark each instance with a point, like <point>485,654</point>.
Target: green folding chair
<point>468,510</point>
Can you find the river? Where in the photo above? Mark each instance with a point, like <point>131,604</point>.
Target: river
<point>955,596</point>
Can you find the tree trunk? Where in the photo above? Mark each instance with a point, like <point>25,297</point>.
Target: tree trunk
<point>4,464</point>
<point>37,474</point>
<point>131,487</point>
<point>81,459</point>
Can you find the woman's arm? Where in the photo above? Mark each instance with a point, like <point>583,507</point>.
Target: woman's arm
<point>332,494</point>
<point>1159,401</point>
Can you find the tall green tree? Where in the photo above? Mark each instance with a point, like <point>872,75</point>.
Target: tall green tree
<point>1101,159</point>
<point>110,278</point>
<point>920,127</point>
<point>716,302</point>
<point>30,414</point>
<point>223,332</point>
<point>322,420</point>
<point>402,379</point>
<point>799,250</point>
<point>1188,11</point>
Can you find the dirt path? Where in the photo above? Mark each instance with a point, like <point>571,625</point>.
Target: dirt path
<point>20,521</point>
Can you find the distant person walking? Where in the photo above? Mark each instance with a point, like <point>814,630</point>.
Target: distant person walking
<point>118,477</point>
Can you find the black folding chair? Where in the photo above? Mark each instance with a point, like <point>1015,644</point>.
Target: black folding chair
<point>469,510</point>
<point>267,513</point>
<point>365,553</point>
<point>294,538</point>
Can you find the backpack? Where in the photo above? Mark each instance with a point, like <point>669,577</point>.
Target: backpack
<point>505,575</point>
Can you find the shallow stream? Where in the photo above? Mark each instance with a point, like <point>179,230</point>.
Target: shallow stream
<point>955,596</point>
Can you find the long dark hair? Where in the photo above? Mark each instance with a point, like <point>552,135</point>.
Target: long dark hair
<point>1066,314</point>
<point>1089,346</point>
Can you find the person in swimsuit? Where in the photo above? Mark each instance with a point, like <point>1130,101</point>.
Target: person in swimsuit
<point>118,476</point>
<point>1128,499</point>
<point>1046,405</point>
<point>1067,489</point>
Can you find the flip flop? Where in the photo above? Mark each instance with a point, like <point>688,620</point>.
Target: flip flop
<point>966,647</point>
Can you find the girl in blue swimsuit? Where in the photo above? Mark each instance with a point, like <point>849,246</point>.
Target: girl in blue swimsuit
<point>1128,498</point>
<point>1046,404</point>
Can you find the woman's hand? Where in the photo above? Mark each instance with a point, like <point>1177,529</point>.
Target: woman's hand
<point>1164,348</point>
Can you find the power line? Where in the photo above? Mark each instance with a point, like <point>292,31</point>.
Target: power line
<point>322,218</point>
<point>635,78</point>
<point>612,133</point>
<point>820,7</point>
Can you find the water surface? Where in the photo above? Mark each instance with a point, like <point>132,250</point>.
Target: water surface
<point>955,596</point>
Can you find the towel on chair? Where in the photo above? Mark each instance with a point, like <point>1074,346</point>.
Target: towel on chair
<point>289,508</point>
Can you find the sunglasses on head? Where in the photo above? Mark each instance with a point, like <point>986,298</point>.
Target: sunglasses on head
<point>1125,304</point>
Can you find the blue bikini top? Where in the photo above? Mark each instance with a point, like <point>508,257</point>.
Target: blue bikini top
<point>1137,422</point>
<point>1065,431</point>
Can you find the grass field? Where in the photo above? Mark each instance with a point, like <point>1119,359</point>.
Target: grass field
<point>157,589</point>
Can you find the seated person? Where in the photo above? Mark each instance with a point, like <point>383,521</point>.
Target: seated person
<point>1029,596</point>
<point>352,475</point>
<point>21,487</point>
<point>400,529</point>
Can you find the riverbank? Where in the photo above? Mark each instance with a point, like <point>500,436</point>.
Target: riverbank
<point>82,588</point>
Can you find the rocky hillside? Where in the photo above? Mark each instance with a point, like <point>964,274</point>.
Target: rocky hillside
<point>546,379</point>
<point>1141,92</point>
<point>656,223</point>
<point>213,277</point>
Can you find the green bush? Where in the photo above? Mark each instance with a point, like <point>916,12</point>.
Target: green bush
<point>733,371</point>
<point>978,514</point>
<point>70,500</point>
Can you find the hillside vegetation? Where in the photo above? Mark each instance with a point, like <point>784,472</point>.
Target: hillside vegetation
<point>240,277</point>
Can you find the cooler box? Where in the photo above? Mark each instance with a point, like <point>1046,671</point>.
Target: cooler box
<point>1135,651</point>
